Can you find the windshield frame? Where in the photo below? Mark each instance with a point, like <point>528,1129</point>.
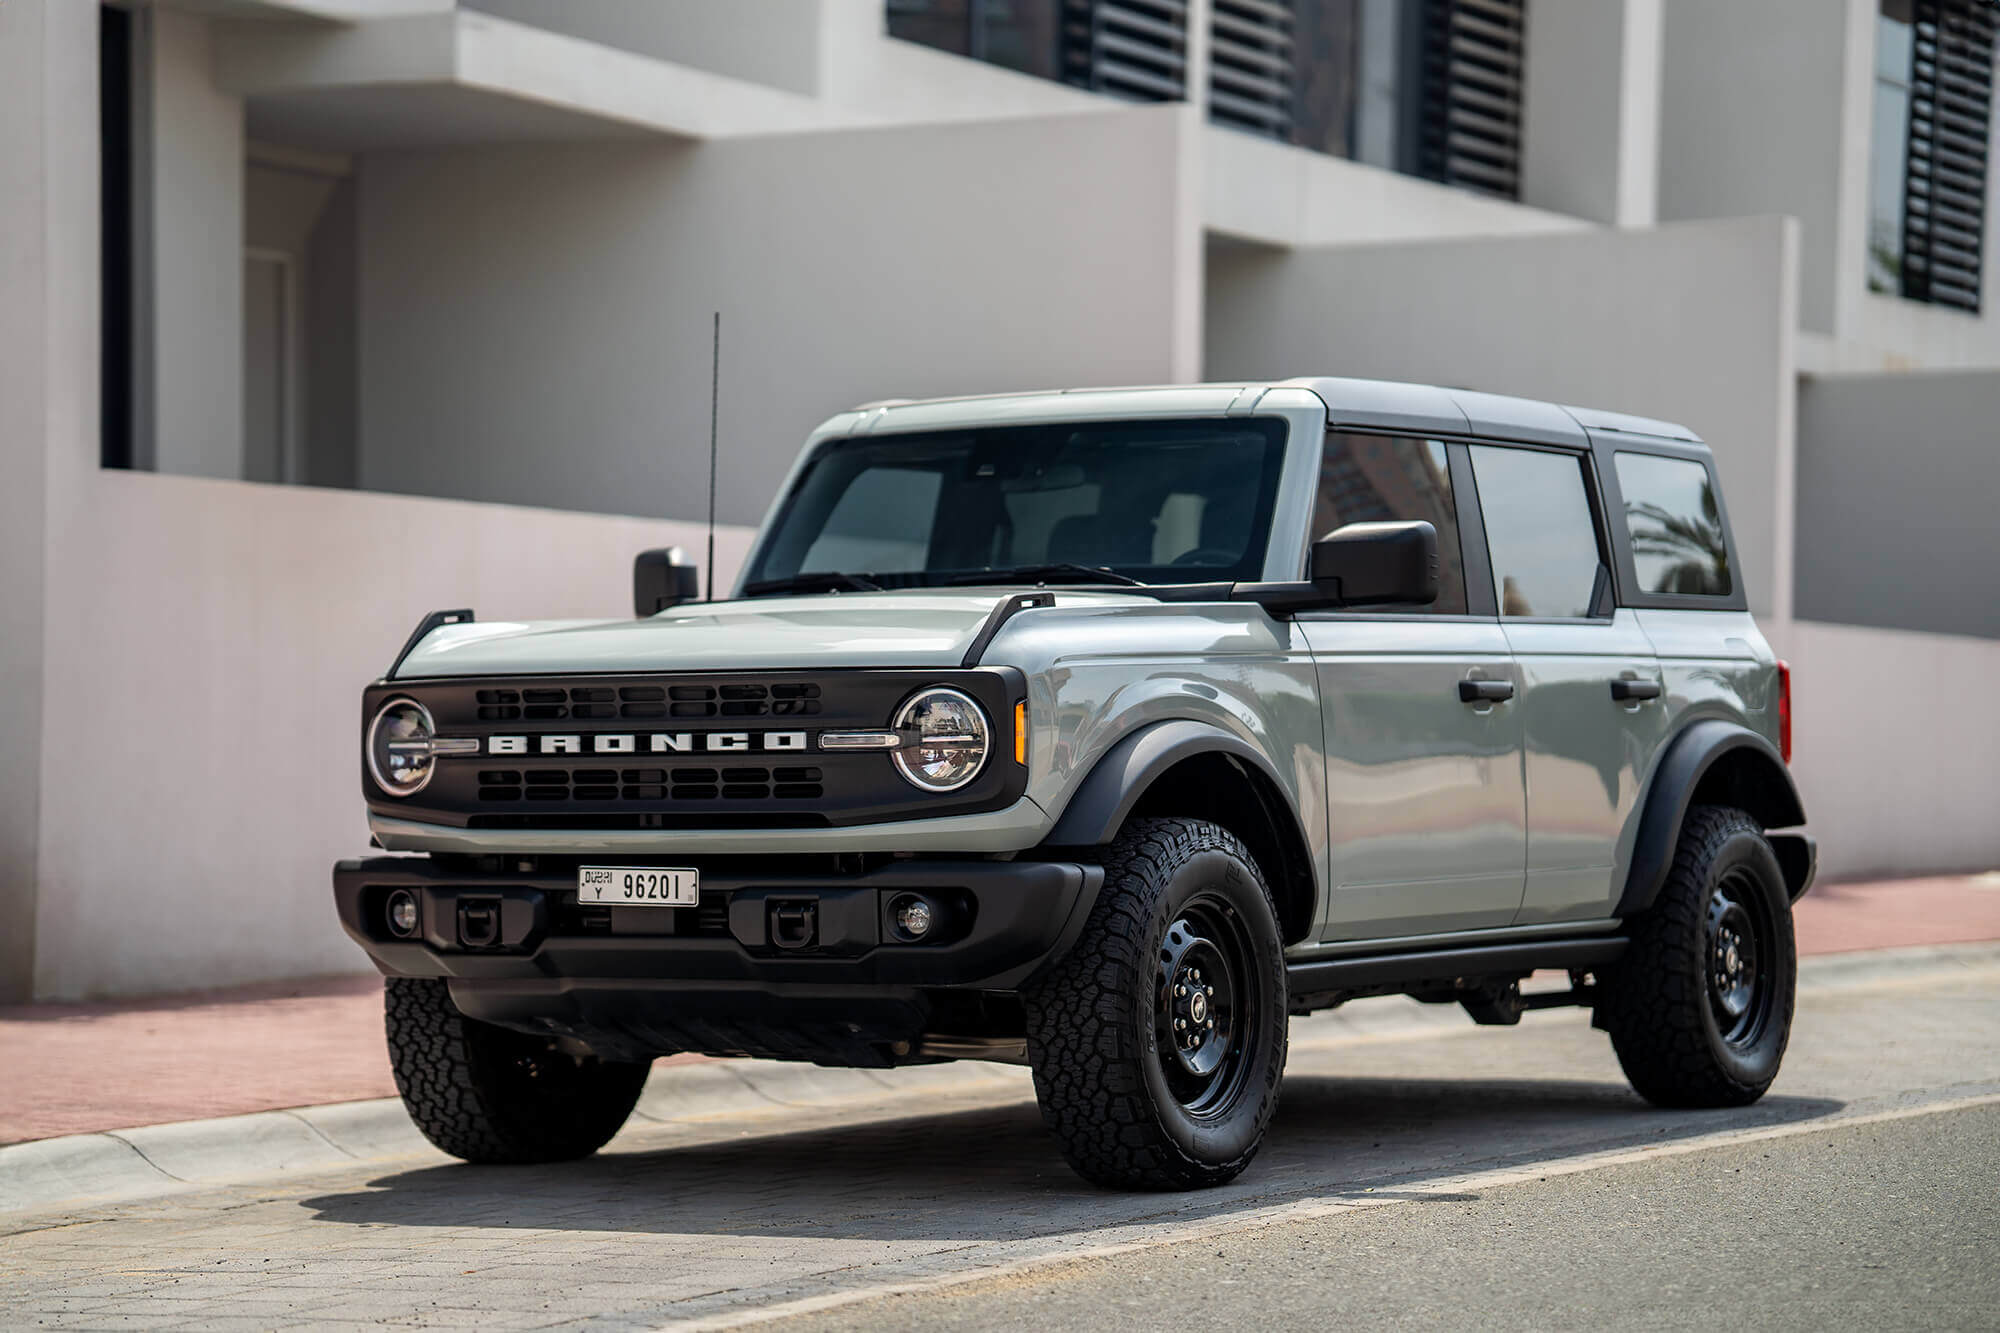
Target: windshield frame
<point>1269,524</point>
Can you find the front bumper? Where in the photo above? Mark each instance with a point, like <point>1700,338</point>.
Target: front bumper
<point>789,963</point>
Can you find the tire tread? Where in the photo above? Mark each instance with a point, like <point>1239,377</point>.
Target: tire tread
<point>1656,996</point>
<point>1083,1019</point>
<point>446,1069</point>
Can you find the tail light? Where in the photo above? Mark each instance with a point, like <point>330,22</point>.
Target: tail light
<point>1785,710</point>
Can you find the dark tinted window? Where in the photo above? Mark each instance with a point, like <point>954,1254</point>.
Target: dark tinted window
<point>1538,530</point>
<point>1675,524</point>
<point>1019,34</point>
<point>1373,478</point>
<point>1162,502</point>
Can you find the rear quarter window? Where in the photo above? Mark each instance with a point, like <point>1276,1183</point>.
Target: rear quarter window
<point>1675,524</point>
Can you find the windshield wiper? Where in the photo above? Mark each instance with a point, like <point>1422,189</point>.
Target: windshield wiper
<point>826,580</point>
<point>1043,573</point>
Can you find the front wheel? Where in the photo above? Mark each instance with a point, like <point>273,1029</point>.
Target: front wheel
<point>1158,1041</point>
<point>491,1095</point>
<point>1699,1006</point>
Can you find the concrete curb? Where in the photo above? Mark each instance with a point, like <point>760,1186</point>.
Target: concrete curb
<point>117,1166</point>
<point>92,1169</point>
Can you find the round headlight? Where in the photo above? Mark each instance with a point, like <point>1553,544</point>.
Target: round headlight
<point>951,743</point>
<point>400,753</point>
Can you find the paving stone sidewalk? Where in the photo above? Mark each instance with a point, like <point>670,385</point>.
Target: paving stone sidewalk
<point>78,1068</point>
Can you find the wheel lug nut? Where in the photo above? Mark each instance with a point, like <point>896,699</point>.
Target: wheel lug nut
<point>1180,1023</point>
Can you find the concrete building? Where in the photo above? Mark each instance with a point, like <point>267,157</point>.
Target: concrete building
<point>320,314</point>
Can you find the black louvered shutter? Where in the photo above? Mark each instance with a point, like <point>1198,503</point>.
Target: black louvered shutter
<point>1251,63</point>
<point>1944,191</point>
<point>1135,49</point>
<point>1469,123</point>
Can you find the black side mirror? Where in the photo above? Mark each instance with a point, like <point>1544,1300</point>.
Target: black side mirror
<point>1378,564</point>
<point>661,579</point>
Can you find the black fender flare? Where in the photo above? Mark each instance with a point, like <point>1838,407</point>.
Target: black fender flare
<point>1759,783</point>
<point>1104,799</point>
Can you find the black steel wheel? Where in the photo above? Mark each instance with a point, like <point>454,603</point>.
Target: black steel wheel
<point>1740,934</point>
<point>1158,1042</point>
<point>1699,1007</point>
<point>1204,1005</point>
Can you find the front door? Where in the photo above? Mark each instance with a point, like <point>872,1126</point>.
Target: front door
<point>1425,806</point>
<point>1590,702</point>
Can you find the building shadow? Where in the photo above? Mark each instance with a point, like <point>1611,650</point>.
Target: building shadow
<point>994,1172</point>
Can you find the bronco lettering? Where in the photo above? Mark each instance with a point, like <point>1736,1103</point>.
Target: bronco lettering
<point>664,742</point>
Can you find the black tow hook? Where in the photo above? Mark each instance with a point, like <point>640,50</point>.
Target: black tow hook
<point>794,925</point>
<point>478,922</point>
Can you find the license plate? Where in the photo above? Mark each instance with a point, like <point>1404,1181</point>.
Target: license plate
<point>638,886</point>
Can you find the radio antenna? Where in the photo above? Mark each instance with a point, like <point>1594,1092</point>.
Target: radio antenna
<point>714,399</point>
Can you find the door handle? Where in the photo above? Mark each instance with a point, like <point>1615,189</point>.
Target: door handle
<point>1627,691</point>
<point>1485,691</point>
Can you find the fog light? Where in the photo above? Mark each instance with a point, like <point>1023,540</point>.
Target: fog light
<point>403,913</point>
<point>913,917</point>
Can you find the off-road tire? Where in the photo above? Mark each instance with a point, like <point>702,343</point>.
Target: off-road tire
<point>1095,1018</point>
<point>492,1095</point>
<point>1661,1000</point>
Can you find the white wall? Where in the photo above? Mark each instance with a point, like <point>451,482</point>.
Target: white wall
<point>207,642</point>
<point>195,183</point>
<point>780,46</point>
<point>516,300</point>
<point>1590,116</point>
<point>195,648</point>
<point>1898,774</point>
<point>1757,115</point>
<point>1897,476</point>
<point>1692,323</point>
<point>1272,194</point>
<point>48,241</point>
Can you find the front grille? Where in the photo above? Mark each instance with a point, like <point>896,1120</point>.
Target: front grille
<point>652,785</point>
<point>554,703</point>
<point>679,751</point>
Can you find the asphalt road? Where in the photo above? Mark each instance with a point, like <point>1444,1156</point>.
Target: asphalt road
<point>1883,1224</point>
<point>1416,1174</point>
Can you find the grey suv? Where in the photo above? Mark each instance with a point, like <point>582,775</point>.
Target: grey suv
<point>1103,731</point>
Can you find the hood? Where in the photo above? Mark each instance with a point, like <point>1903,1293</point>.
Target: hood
<point>885,629</point>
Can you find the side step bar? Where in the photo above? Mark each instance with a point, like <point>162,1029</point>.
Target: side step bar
<point>1404,969</point>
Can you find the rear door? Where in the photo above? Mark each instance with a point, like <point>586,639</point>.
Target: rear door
<point>1590,706</point>
<point>1425,807</point>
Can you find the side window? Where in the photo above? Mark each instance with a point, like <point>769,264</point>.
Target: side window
<point>1376,478</point>
<point>1678,544</point>
<point>882,522</point>
<point>1538,531</point>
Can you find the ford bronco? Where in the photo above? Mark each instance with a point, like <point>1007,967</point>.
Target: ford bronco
<point>1103,731</point>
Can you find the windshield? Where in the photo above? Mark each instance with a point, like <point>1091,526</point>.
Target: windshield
<point>1155,502</point>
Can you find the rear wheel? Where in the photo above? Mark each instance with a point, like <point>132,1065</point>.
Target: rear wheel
<point>491,1095</point>
<point>1699,1007</point>
<point>1158,1042</point>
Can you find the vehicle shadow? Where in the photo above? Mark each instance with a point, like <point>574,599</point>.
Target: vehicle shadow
<point>994,1172</point>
